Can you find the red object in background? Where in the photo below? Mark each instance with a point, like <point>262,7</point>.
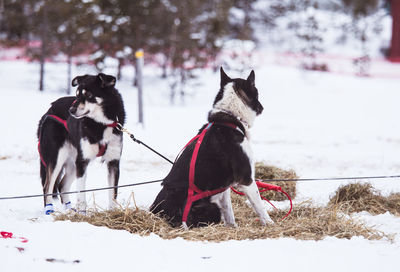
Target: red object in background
<point>395,43</point>
<point>10,235</point>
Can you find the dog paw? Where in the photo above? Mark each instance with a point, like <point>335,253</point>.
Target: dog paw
<point>266,221</point>
<point>184,226</point>
<point>68,206</point>
<point>81,208</point>
<point>231,225</point>
<point>48,209</point>
<point>81,212</point>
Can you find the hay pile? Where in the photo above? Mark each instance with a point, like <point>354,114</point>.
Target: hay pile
<point>264,171</point>
<point>305,223</point>
<point>359,197</point>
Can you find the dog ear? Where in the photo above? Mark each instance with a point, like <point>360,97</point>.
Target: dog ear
<point>251,78</point>
<point>77,80</point>
<point>224,78</point>
<point>106,80</point>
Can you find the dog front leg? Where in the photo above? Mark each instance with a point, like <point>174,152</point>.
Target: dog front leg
<point>223,201</point>
<point>81,167</point>
<point>113,178</point>
<point>253,195</point>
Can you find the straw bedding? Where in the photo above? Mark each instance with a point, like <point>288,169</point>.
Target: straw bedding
<point>306,222</point>
<point>357,197</point>
<point>264,171</point>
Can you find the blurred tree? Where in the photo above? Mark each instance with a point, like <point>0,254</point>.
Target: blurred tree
<point>310,36</point>
<point>14,21</point>
<point>366,22</point>
<point>187,34</point>
<point>190,38</point>
<point>242,17</point>
<point>73,30</point>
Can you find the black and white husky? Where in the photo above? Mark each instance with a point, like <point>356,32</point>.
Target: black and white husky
<point>224,159</point>
<point>76,130</point>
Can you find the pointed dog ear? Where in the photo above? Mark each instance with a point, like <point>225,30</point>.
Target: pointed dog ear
<point>77,80</point>
<point>106,80</point>
<point>251,78</point>
<point>224,78</point>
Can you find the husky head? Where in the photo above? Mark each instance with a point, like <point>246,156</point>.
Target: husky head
<point>238,97</point>
<point>91,96</point>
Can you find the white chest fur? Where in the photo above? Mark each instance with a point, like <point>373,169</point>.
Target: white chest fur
<point>111,140</point>
<point>246,146</point>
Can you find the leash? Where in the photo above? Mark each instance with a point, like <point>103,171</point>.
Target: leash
<point>82,191</point>
<point>122,129</point>
<point>335,178</point>
<point>263,187</point>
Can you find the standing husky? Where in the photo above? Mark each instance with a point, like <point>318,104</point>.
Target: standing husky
<point>224,159</point>
<point>76,130</point>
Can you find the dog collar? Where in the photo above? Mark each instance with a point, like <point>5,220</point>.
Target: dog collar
<point>231,125</point>
<point>244,123</point>
<point>113,125</point>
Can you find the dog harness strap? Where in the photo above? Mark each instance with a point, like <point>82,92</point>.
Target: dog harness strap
<point>102,147</point>
<point>61,121</point>
<point>102,150</point>
<point>192,197</point>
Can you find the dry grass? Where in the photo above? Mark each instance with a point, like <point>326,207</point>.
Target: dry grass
<point>264,171</point>
<point>359,197</point>
<point>305,223</point>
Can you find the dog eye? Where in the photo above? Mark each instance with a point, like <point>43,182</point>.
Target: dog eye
<point>77,92</point>
<point>88,94</point>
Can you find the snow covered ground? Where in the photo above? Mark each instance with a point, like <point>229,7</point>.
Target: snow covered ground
<point>319,124</point>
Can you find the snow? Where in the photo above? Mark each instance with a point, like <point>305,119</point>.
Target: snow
<point>319,124</point>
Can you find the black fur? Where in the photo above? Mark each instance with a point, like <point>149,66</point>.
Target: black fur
<point>221,162</point>
<point>53,135</point>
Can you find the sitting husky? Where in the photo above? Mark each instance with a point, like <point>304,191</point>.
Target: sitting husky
<point>76,130</point>
<point>224,159</point>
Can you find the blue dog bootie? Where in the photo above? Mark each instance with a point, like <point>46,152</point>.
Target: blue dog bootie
<point>48,209</point>
<point>68,206</point>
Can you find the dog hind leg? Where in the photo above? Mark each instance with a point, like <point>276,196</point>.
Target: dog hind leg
<point>65,185</point>
<point>113,178</point>
<point>223,201</point>
<point>253,195</point>
<point>48,188</point>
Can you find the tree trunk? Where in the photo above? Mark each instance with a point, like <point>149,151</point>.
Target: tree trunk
<point>69,77</point>
<point>43,52</point>
<point>395,44</point>
<point>41,78</point>
<point>120,64</point>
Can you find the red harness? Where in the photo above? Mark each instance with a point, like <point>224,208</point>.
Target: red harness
<point>102,147</point>
<point>194,193</point>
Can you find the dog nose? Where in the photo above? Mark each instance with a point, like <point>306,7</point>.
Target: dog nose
<point>72,110</point>
<point>260,109</point>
